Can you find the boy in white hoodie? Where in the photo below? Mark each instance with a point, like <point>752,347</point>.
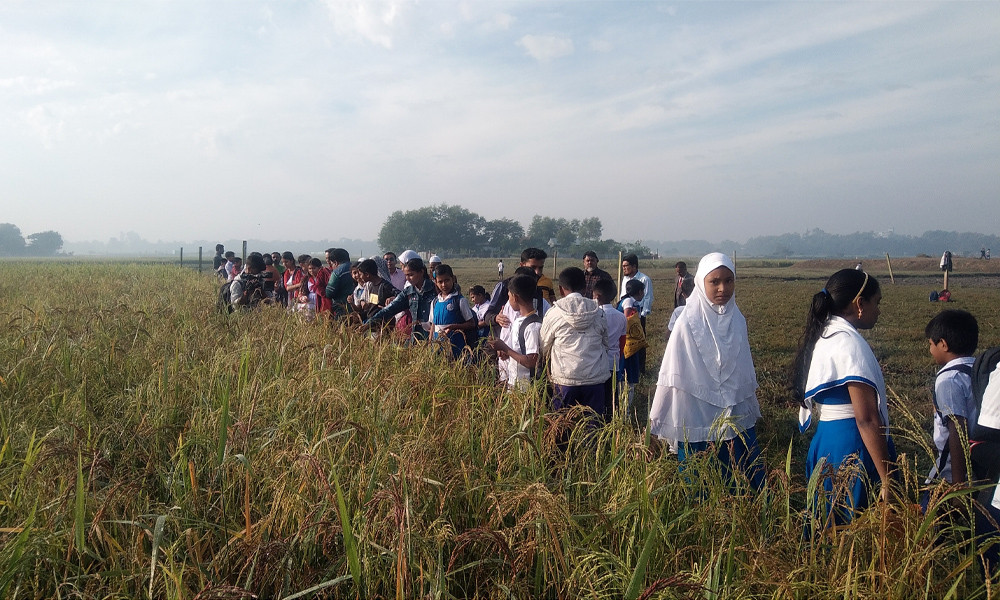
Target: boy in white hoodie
<point>575,338</point>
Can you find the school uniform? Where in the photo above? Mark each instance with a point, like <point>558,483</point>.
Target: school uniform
<point>706,391</point>
<point>952,398</point>
<point>842,356</point>
<point>518,375</point>
<point>452,309</point>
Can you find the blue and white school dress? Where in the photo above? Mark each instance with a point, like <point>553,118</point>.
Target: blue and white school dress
<point>842,356</point>
<point>452,310</point>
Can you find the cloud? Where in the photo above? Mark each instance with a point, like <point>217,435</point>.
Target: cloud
<point>370,20</point>
<point>545,48</point>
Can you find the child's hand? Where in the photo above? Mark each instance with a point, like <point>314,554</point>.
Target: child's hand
<point>502,355</point>
<point>499,346</point>
<point>503,321</point>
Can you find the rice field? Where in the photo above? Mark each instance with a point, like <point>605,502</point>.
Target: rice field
<point>152,448</point>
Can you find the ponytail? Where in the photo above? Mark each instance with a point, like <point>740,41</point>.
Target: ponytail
<point>842,289</point>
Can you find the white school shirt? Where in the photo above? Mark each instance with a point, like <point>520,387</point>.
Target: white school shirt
<point>953,397</point>
<point>617,325</point>
<point>519,375</point>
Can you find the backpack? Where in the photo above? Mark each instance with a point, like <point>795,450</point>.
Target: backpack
<point>985,364</point>
<point>223,303</point>
<point>933,296</point>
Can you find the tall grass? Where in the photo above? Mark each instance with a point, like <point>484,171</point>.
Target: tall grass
<point>153,448</point>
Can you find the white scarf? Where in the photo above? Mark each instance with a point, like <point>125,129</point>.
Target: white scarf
<point>708,355</point>
<point>841,356</point>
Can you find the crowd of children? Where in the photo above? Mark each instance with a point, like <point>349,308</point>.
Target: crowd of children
<point>587,349</point>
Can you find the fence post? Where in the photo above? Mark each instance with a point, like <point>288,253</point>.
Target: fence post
<point>244,251</point>
<point>182,256</point>
<point>199,259</point>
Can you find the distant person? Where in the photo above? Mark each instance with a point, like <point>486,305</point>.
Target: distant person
<point>858,267</point>
<point>706,391</point>
<point>593,273</point>
<point>500,270</point>
<point>319,277</point>
<point>574,337</point>
<point>225,269</point>
<point>683,285</point>
<point>987,254</point>
<point>952,336</point>
<point>218,260</point>
<point>247,288</point>
<point>836,370</point>
<point>341,284</point>
<point>982,253</point>
<point>295,279</point>
<point>236,268</point>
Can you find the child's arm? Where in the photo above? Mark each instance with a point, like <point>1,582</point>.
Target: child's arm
<point>957,448</point>
<point>527,361</point>
<point>864,400</point>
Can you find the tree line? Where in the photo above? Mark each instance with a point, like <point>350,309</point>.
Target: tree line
<point>460,232</point>
<point>43,243</point>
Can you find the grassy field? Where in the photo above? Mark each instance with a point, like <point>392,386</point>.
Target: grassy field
<point>150,447</point>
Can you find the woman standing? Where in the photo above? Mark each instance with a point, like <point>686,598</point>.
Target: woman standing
<point>836,372</point>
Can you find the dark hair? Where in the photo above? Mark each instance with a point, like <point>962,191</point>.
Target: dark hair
<point>255,261</point>
<point>842,289</point>
<point>631,259</point>
<point>526,271</point>
<point>219,247</point>
<point>634,286</point>
<point>230,254</point>
<point>573,279</point>
<point>287,255</point>
<point>532,254</point>
<point>478,289</point>
<point>268,260</point>
<point>591,254</point>
<point>443,269</point>
<point>416,264</point>
<point>523,286</point>
<point>339,255</point>
<point>681,265</point>
<point>303,258</point>
<point>368,267</point>
<point>957,327</point>
<point>395,258</point>
<point>606,289</point>
<point>315,262</point>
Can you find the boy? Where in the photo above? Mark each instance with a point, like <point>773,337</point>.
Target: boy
<point>604,293</point>
<point>522,359</point>
<point>953,336</point>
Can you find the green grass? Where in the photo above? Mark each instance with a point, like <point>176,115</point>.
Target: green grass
<point>150,447</point>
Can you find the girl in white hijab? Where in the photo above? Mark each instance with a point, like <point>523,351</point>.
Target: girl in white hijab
<point>706,393</point>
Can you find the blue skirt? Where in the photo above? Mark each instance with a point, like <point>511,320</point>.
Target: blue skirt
<point>741,453</point>
<point>840,443</point>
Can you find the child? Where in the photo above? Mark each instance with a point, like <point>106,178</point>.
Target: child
<point>522,359</point>
<point>604,292</point>
<point>706,392</point>
<point>635,291</point>
<point>635,341</point>
<point>319,276</point>
<point>836,370</point>
<point>953,336</point>
<point>451,316</point>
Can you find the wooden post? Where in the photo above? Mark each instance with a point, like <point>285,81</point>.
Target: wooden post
<point>244,251</point>
<point>889,262</point>
<point>182,256</point>
<point>945,280</point>
<point>199,259</point>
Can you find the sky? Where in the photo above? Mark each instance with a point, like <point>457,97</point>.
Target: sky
<point>210,119</point>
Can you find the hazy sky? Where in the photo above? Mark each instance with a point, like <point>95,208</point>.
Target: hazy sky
<point>208,119</point>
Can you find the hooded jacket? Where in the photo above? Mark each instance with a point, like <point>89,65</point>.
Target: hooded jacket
<point>574,335</point>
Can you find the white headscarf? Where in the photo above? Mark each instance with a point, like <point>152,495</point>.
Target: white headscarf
<point>707,368</point>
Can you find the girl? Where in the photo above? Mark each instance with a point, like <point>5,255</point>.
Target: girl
<point>294,277</point>
<point>635,340</point>
<point>706,391</point>
<point>451,316</point>
<point>416,298</point>
<point>836,371</point>
<point>635,291</point>
<point>319,276</point>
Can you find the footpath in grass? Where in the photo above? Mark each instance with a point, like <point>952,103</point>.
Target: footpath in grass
<point>150,447</point>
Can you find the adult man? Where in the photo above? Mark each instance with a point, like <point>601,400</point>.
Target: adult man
<point>218,260</point>
<point>396,276</point>
<point>630,271</point>
<point>593,273</point>
<point>574,335</point>
<point>341,283</point>
<point>533,258</point>
<point>684,284</point>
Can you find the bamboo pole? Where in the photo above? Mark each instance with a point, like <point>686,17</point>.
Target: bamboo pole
<point>619,281</point>
<point>889,262</point>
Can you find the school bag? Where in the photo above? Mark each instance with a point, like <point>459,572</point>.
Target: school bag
<point>933,297</point>
<point>985,364</point>
<point>223,303</point>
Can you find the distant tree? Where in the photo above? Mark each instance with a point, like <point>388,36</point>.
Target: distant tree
<point>11,242</point>
<point>504,236</point>
<point>442,228</point>
<point>542,229</point>
<point>44,243</point>
<point>589,231</point>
